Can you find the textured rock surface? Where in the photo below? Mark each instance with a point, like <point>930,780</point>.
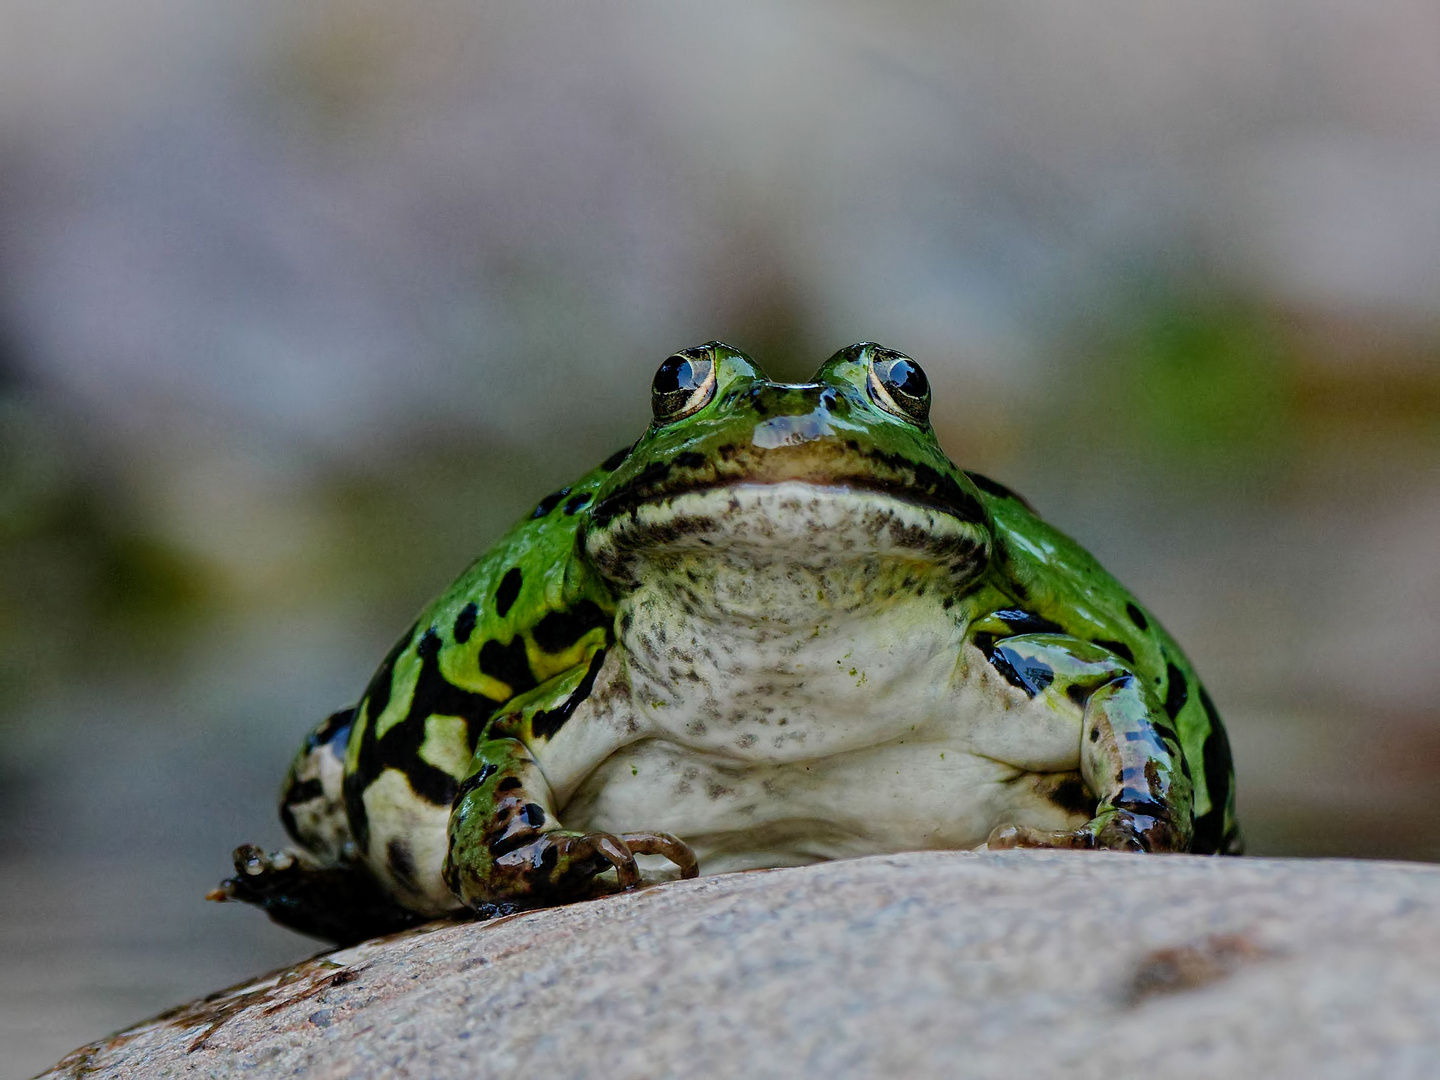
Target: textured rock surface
<point>929,964</point>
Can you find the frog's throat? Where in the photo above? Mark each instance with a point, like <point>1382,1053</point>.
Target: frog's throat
<point>745,527</point>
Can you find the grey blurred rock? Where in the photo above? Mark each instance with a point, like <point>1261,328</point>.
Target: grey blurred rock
<point>926,964</point>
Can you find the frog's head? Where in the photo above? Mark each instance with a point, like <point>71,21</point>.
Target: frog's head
<point>842,469</point>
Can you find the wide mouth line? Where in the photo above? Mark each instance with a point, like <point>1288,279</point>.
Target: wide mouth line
<point>609,511</point>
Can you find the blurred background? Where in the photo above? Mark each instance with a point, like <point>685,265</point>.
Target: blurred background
<point>302,304</point>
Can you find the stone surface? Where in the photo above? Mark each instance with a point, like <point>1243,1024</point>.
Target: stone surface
<point>927,964</point>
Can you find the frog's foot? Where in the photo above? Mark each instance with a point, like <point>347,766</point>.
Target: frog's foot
<point>1112,830</point>
<point>507,844</point>
<point>660,843</point>
<point>341,903</point>
<point>560,865</point>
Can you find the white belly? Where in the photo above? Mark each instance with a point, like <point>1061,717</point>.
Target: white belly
<point>845,775</point>
<point>775,714</point>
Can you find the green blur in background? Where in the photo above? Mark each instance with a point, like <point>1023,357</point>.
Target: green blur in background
<point>302,304</point>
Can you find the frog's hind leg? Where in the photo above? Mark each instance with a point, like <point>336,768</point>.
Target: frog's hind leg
<point>312,806</point>
<point>323,889</point>
<point>340,903</point>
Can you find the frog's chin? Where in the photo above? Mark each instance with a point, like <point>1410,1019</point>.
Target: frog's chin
<point>754,527</point>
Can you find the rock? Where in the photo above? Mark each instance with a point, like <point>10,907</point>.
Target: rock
<point>927,964</point>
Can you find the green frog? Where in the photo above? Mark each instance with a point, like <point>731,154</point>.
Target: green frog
<point>782,627</point>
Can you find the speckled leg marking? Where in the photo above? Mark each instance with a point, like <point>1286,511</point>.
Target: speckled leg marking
<point>321,890</point>
<point>312,804</point>
<point>506,844</point>
<point>1129,754</point>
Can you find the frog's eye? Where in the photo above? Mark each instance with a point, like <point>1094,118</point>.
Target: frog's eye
<point>683,385</point>
<point>899,386</point>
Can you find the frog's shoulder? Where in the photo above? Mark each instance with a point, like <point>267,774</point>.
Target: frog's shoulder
<point>522,613</point>
<point>1052,577</point>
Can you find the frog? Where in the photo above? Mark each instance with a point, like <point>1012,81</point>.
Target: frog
<point>779,628</point>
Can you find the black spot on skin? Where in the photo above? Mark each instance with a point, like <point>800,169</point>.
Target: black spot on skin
<point>303,791</point>
<point>401,863</point>
<point>475,780</point>
<point>1137,617</point>
<point>576,503</point>
<point>510,783</point>
<point>1079,694</point>
<point>999,490</point>
<point>1119,648</point>
<point>1023,622</point>
<point>465,622</point>
<point>508,590</point>
<point>1177,693</point>
<point>689,460</point>
<point>375,702</point>
<point>335,729</point>
<point>1138,801</point>
<point>1027,673</point>
<point>511,842</point>
<point>1094,734</point>
<point>400,748</point>
<point>508,663</point>
<point>560,630</point>
<point>615,460</point>
<point>1038,675</point>
<point>377,694</point>
<point>545,723</point>
<point>1072,796</point>
<point>1210,826</point>
<point>548,503</point>
<point>533,815</point>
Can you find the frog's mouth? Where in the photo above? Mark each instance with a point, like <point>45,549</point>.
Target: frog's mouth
<point>815,525</point>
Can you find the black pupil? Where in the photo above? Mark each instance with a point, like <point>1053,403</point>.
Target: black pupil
<point>676,374</point>
<point>906,377</point>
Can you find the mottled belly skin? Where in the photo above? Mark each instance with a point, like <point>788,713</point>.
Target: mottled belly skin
<point>924,753</point>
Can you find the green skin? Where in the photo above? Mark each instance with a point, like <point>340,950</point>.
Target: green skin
<point>431,795</point>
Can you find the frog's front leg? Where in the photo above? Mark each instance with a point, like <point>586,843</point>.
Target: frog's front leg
<point>507,846</point>
<point>1130,755</point>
